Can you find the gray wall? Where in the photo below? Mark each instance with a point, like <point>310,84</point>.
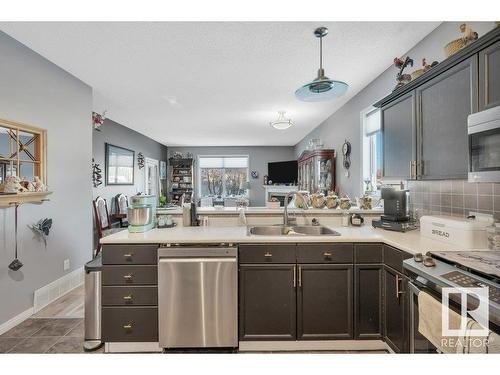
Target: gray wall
<point>119,135</point>
<point>259,156</point>
<point>37,92</point>
<point>345,123</point>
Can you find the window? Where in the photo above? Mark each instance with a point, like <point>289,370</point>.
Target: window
<point>372,150</point>
<point>22,151</point>
<point>224,176</point>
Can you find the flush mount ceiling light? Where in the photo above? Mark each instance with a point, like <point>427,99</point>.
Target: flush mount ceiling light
<point>281,122</point>
<point>322,88</point>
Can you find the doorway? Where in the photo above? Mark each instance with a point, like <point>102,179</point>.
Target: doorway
<point>152,178</point>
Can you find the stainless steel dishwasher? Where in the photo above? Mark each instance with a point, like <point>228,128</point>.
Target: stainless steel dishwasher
<point>198,297</point>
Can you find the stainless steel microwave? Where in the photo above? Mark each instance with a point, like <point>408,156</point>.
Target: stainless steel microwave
<point>484,145</point>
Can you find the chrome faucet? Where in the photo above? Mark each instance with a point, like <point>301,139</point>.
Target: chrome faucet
<point>287,196</point>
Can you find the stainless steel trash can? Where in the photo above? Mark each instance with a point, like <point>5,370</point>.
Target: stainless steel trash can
<point>92,319</point>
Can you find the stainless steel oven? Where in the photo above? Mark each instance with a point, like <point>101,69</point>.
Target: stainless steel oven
<point>484,145</point>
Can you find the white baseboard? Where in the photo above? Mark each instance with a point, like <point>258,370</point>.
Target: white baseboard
<point>249,346</point>
<point>18,319</point>
<point>50,292</point>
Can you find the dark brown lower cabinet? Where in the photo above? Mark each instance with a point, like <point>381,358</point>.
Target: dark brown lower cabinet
<point>396,327</point>
<point>129,324</point>
<point>324,301</point>
<point>368,301</point>
<point>267,302</point>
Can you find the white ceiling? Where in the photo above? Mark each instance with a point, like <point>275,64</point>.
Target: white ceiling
<point>215,83</point>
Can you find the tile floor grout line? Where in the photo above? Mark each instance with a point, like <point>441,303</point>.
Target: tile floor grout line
<point>11,349</point>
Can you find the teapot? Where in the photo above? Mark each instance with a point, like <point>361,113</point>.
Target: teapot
<point>332,200</point>
<point>318,200</point>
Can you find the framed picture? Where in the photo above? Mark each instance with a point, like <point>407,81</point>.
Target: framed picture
<point>119,165</point>
<point>163,170</point>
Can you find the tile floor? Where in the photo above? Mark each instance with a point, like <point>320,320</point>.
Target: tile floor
<point>58,328</point>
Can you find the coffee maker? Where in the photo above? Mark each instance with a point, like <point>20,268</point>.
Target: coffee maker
<point>396,211</point>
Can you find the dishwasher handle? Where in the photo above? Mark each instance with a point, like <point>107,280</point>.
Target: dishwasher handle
<point>197,260</point>
<point>197,252</point>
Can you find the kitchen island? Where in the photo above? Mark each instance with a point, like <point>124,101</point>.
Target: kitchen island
<point>410,242</point>
<point>295,292</point>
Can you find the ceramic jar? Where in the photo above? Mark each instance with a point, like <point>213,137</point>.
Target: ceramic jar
<point>345,203</point>
<point>299,202</point>
<point>318,200</point>
<point>332,201</point>
<point>365,202</point>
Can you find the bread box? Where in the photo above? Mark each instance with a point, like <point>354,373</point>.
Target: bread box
<point>465,233</point>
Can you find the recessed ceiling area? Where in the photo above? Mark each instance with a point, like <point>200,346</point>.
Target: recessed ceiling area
<point>216,83</point>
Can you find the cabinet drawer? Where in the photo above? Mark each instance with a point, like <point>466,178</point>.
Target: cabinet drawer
<point>325,253</point>
<point>267,253</point>
<point>129,324</point>
<point>129,275</point>
<point>129,254</point>
<point>129,296</point>
<point>368,253</point>
<point>394,257</point>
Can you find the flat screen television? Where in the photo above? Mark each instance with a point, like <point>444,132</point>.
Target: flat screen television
<point>283,172</point>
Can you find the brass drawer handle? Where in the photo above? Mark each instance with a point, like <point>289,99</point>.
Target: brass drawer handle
<point>128,277</point>
<point>128,255</point>
<point>268,254</point>
<point>128,298</point>
<point>128,326</point>
<point>327,254</point>
<point>300,276</point>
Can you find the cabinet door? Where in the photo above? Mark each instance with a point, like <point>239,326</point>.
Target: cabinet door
<point>267,302</point>
<point>489,77</point>
<point>368,301</point>
<point>396,311</point>
<point>398,129</point>
<point>444,103</point>
<point>324,302</point>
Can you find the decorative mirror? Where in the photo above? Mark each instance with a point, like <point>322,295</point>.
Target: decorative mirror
<point>119,165</point>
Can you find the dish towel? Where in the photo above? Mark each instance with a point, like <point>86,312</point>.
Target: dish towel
<point>430,323</point>
<point>479,344</point>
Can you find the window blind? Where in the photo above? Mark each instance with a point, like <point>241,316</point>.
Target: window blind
<point>372,122</point>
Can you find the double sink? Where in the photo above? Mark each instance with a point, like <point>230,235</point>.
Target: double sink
<point>299,230</point>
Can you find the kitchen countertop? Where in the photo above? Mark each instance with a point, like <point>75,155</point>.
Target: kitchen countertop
<point>410,242</point>
<point>267,211</point>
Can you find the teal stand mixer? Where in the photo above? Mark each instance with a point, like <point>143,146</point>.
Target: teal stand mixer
<point>141,214</point>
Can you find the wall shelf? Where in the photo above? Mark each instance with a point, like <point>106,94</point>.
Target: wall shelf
<point>8,200</point>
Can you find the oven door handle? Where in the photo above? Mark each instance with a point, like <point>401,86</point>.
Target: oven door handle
<point>419,284</point>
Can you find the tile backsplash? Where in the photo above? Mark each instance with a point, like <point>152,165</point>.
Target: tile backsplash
<point>454,197</point>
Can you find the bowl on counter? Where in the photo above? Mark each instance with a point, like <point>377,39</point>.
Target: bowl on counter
<point>140,215</point>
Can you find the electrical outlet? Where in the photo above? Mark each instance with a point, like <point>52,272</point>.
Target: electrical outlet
<point>66,265</point>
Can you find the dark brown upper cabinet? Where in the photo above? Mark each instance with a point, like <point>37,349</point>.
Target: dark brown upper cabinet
<point>489,77</point>
<point>443,105</point>
<point>267,302</point>
<point>424,123</point>
<point>399,131</point>
<point>324,301</point>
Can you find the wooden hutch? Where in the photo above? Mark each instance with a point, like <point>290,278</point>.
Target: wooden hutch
<point>317,171</point>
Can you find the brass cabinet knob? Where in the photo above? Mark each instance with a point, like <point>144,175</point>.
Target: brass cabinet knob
<point>128,277</point>
<point>268,254</point>
<point>128,256</point>
<point>327,254</point>
<point>128,326</point>
<point>128,297</point>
